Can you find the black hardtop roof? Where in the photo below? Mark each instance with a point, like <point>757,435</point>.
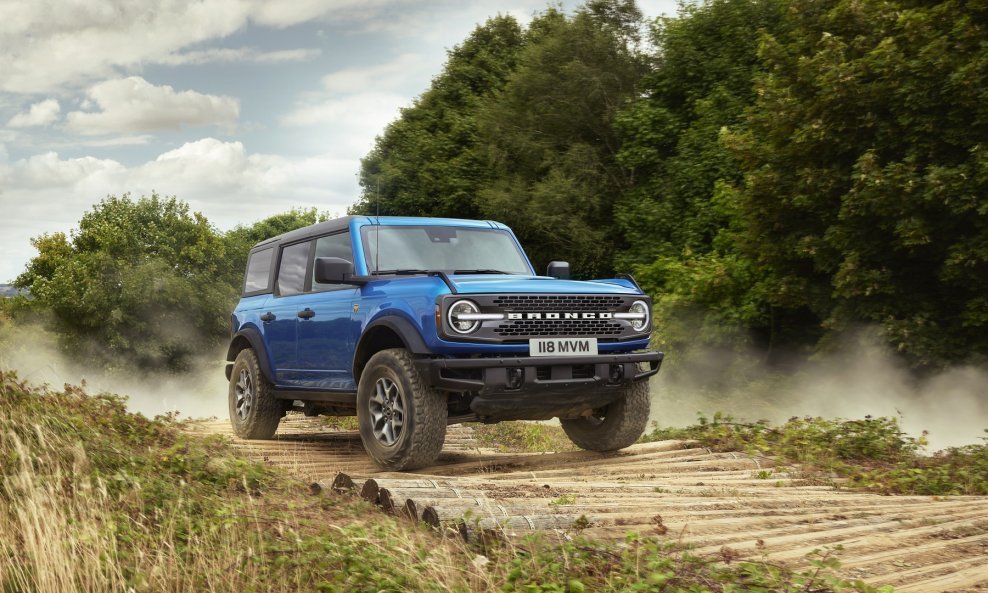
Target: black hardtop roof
<point>334,225</point>
<point>313,230</point>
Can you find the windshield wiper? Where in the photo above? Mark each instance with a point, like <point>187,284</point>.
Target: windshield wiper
<point>398,272</point>
<point>483,271</point>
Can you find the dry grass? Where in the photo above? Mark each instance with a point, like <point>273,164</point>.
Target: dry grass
<point>93,499</point>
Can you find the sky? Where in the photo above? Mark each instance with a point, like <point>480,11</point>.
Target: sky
<point>242,108</point>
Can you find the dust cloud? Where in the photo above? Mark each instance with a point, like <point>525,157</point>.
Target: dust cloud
<point>200,393</point>
<point>863,378</point>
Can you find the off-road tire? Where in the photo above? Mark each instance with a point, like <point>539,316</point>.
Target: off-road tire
<point>615,426</point>
<point>261,419</point>
<point>423,428</point>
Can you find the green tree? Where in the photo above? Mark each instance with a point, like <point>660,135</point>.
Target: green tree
<point>680,219</point>
<point>701,81</point>
<point>549,135</point>
<point>239,240</point>
<point>426,163</point>
<point>866,189</point>
<point>135,284</point>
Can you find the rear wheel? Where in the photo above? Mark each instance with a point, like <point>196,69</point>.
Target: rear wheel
<point>254,411</point>
<point>615,426</point>
<point>402,420</point>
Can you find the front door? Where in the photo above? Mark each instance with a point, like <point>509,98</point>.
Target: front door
<point>327,332</point>
<point>326,336</point>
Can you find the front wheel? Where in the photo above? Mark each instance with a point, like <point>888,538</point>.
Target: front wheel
<point>615,426</point>
<point>402,419</point>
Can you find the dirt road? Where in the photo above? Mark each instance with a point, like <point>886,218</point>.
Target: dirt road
<point>708,500</point>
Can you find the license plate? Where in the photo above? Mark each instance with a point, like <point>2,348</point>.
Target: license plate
<point>563,346</point>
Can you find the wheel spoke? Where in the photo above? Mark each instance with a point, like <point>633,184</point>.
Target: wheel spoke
<point>387,410</point>
<point>244,393</point>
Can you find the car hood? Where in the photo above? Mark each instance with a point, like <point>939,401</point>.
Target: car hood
<point>485,283</point>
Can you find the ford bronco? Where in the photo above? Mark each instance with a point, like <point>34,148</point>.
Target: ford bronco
<point>412,324</point>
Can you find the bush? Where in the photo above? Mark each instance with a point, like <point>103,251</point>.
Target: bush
<point>872,453</point>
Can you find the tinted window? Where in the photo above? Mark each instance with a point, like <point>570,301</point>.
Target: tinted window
<point>441,248</point>
<point>291,272</point>
<point>258,270</point>
<point>337,245</point>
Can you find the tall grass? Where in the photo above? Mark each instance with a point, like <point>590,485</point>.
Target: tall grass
<point>94,499</point>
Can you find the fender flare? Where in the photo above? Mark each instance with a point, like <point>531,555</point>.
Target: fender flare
<point>256,342</point>
<point>405,330</point>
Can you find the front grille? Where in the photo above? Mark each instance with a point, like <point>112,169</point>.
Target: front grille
<point>561,307</point>
<point>536,303</point>
<point>558,327</point>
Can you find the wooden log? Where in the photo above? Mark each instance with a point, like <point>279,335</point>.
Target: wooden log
<point>531,522</point>
<point>397,483</point>
<point>343,484</point>
<point>453,511</point>
<point>473,534</point>
<point>430,517</point>
<point>385,500</point>
<point>370,491</point>
<point>410,510</point>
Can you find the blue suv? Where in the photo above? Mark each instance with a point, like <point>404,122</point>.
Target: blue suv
<point>412,324</point>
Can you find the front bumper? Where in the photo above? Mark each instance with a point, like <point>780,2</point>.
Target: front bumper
<point>534,388</point>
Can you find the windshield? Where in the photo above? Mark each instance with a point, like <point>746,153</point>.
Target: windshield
<point>394,249</point>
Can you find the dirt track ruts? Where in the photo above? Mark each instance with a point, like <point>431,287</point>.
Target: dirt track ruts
<point>708,500</point>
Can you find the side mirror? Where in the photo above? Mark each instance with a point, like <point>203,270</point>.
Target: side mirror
<point>335,270</point>
<point>558,269</point>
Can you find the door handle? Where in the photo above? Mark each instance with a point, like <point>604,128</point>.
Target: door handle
<point>306,313</point>
<point>269,316</point>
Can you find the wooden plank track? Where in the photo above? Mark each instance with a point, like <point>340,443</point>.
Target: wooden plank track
<point>918,544</point>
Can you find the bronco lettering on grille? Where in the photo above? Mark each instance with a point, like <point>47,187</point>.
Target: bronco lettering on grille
<point>515,316</point>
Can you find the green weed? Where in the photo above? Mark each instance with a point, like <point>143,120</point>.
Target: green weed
<point>522,437</point>
<point>872,453</point>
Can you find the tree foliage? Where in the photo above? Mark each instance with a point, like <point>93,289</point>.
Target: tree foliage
<point>776,172</point>
<point>142,284</point>
<point>866,189</point>
<point>427,162</point>
<point>550,137</point>
<point>136,282</point>
<point>239,240</point>
<point>518,127</point>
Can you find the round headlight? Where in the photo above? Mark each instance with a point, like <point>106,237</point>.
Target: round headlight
<point>641,308</point>
<point>463,308</point>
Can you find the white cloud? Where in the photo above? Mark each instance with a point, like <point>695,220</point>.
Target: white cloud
<point>228,184</point>
<point>361,110</point>
<point>116,141</point>
<point>135,105</point>
<point>242,54</point>
<point>391,76</point>
<point>48,170</point>
<point>52,44</point>
<point>358,100</point>
<point>40,114</point>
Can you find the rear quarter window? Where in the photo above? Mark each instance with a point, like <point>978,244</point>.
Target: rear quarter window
<point>258,277</point>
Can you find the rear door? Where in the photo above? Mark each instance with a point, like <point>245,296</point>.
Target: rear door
<point>281,319</point>
<point>326,330</point>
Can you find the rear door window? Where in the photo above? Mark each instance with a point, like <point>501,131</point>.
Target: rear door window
<point>293,268</point>
<point>258,277</point>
